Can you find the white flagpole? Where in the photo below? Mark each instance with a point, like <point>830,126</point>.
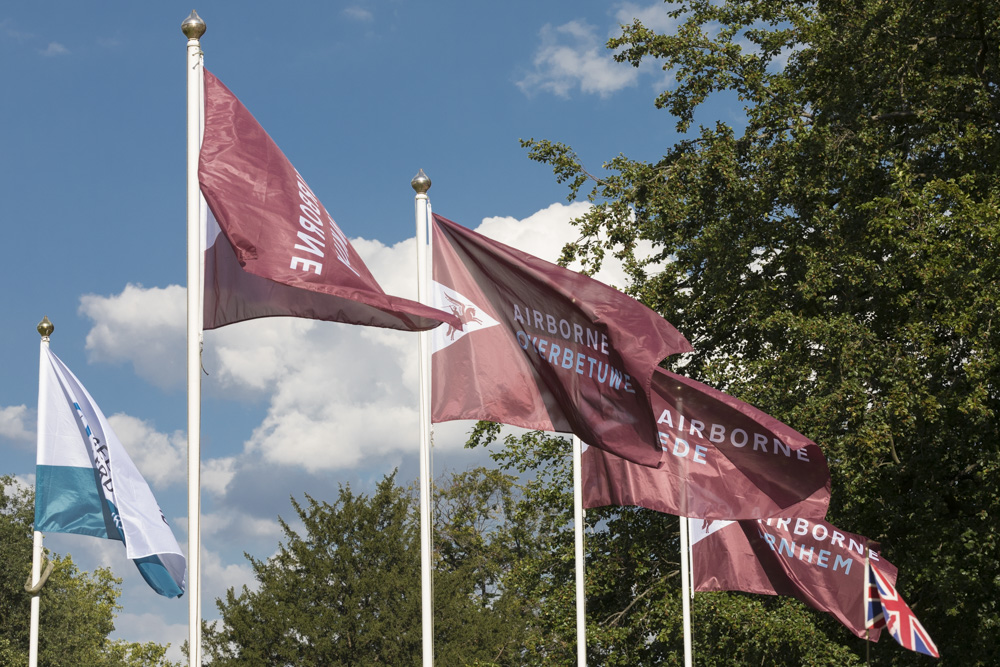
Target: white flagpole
<point>193,28</point>
<point>36,573</point>
<point>685,590</point>
<point>45,329</point>
<point>581,593</point>
<point>421,184</point>
<point>685,573</point>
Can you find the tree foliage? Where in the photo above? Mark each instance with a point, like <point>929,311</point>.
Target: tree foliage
<point>345,588</point>
<point>76,609</point>
<point>338,594</point>
<point>836,261</point>
<point>633,602</point>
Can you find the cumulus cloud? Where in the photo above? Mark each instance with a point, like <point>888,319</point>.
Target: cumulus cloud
<point>55,49</point>
<point>21,482</point>
<point>358,14</point>
<point>544,234</point>
<point>331,397</point>
<point>152,628</point>
<point>221,576</point>
<point>163,620</point>
<point>216,474</point>
<point>572,56</point>
<point>229,524</point>
<point>338,396</point>
<point>144,327</point>
<point>655,16</point>
<point>8,30</point>
<point>16,423</point>
<point>160,457</point>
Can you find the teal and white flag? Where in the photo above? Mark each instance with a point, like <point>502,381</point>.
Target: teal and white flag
<point>85,482</point>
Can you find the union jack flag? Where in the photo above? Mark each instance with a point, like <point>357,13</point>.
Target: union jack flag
<point>884,607</point>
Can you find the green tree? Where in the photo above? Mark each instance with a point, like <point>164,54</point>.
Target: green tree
<point>345,590</point>
<point>536,585</point>
<point>76,609</point>
<point>633,603</point>
<point>836,261</point>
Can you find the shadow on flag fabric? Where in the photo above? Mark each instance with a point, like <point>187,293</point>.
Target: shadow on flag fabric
<point>722,459</point>
<point>543,347</point>
<point>812,561</point>
<point>272,248</point>
<point>85,482</point>
<point>885,607</point>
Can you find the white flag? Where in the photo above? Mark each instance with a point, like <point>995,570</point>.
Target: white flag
<point>85,482</point>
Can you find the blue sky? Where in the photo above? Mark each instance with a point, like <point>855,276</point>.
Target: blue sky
<point>359,96</point>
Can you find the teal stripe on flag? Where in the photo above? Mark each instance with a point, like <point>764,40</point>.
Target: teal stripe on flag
<point>157,576</point>
<point>68,500</point>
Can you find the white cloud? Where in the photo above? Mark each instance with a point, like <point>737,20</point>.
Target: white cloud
<point>26,481</point>
<point>780,61</point>
<point>218,576</point>
<point>161,458</point>
<point>146,617</point>
<point>655,16</point>
<point>55,49</point>
<point>142,326</point>
<point>544,234</point>
<point>152,628</point>
<point>337,396</point>
<point>573,56</point>
<point>15,423</point>
<point>7,28</point>
<point>216,474</point>
<point>21,482</point>
<point>358,14</point>
<point>228,522</point>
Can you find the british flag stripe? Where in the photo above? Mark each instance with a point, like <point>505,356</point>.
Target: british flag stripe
<point>899,619</point>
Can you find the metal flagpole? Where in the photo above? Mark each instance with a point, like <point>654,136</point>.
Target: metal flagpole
<point>685,590</point>
<point>193,28</point>
<point>45,329</point>
<point>421,184</point>
<point>685,568</point>
<point>578,517</point>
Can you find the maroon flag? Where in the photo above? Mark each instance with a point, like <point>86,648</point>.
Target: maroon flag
<point>722,459</point>
<point>279,251</point>
<point>813,561</point>
<point>543,347</point>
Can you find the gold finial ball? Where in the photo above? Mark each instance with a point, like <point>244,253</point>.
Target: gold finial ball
<point>421,183</point>
<point>193,27</point>
<point>45,327</point>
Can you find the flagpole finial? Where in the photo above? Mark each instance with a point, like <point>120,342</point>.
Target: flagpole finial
<point>45,328</point>
<point>193,27</point>
<point>421,183</point>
